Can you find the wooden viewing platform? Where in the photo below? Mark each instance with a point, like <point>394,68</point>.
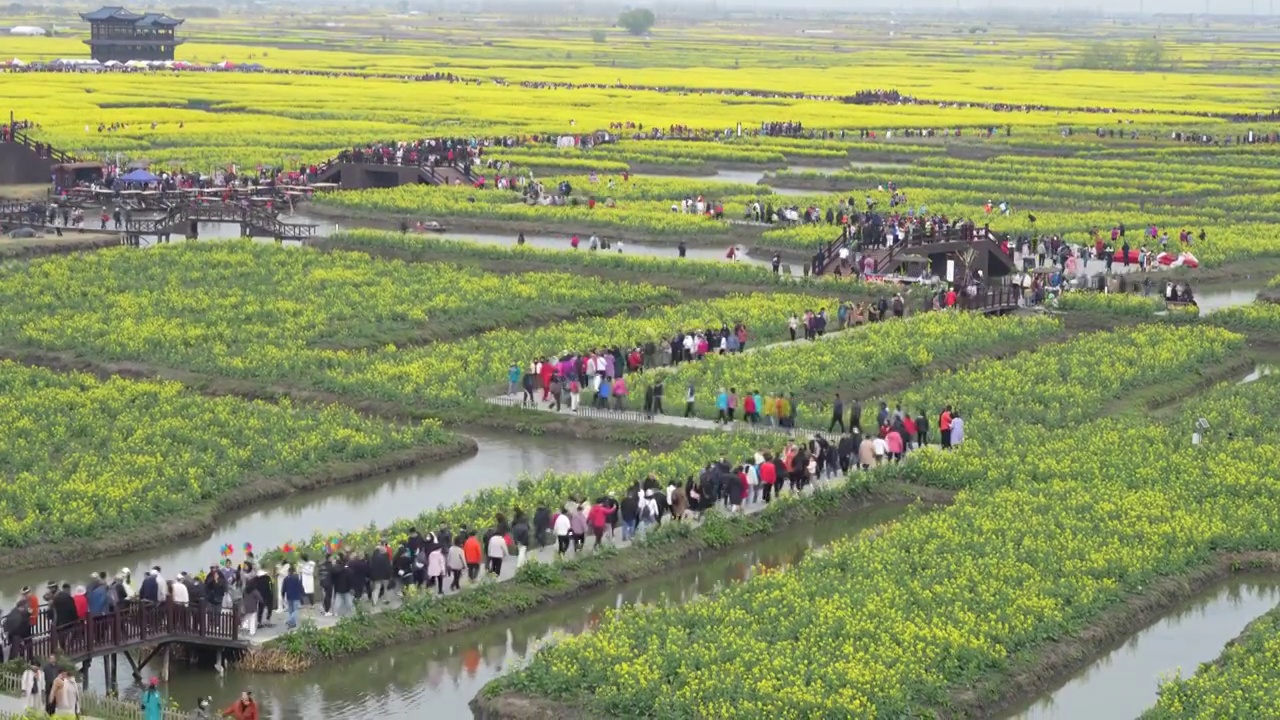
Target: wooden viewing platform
<point>359,172</point>
<point>936,248</point>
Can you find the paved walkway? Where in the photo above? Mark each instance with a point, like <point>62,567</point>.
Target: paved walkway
<point>762,428</point>
<point>16,705</point>
<point>545,554</point>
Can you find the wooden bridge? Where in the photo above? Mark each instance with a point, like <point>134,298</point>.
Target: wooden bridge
<point>993,300</point>
<point>138,630</point>
<point>253,221</point>
<point>935,248</point>
<point>358,172</point>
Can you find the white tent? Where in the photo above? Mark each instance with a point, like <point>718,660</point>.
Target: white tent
<point>27,30</point>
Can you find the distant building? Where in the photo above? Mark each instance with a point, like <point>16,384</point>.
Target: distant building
<point>117,34</point>
<point>28,30</point>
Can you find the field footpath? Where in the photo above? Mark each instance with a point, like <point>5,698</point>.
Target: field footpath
<point>592,569</point>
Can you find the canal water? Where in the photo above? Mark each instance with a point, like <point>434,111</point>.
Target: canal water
<point>501,460</point>
<point>437,678</point>
<point>1123,682</point>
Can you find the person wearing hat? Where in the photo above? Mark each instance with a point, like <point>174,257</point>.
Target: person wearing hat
<point>126,582</point>
<point>152,705</point>
<point>181,594</point>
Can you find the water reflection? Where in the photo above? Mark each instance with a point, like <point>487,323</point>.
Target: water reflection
<point>501,460</point>
<point>445,674</point>
<point>1123,682</point>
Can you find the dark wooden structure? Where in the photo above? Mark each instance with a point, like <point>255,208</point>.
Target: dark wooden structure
<point>119,35</point>
<point>995,299</point>
<point>24,161</point>
<point>353,174</point>
<point>988,256</point>
<point>139,630</point>
<point>254,222</point>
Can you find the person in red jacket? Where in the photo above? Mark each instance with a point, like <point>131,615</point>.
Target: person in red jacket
<point>768,476</point>
<point>471,552</point>
<point>598,519</point>
<point>244,708</point>
<point>944,427</point>
<point>548,369</point>
<point>82,602</point>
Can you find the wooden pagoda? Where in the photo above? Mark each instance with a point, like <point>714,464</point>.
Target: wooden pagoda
<point>120,35</point>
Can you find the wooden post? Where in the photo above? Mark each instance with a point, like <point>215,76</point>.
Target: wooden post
<point>164,669</point>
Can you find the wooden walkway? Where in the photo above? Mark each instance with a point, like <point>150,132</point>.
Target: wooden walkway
<point>136,625</point>
<point>253,221</point>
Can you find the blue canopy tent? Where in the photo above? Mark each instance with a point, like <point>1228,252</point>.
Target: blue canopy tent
<point>138,176</point>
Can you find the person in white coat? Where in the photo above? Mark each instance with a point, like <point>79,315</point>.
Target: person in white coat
<point>162,586</point>
<point>307,569</point>
<point>126,581</point>
<point>282,571</point>
<point>179,590</point>
<point>33,689</point>
<point>564,532</point>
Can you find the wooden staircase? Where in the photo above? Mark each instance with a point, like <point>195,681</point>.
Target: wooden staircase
<point>24,161</point>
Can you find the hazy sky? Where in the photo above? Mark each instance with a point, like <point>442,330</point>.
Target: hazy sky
<point>1229,7</point>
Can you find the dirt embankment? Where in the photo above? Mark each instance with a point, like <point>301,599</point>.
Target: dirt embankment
<point>21,248</point>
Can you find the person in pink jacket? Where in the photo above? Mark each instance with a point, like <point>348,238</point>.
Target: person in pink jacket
<point>436,568</point>
<point>619,393</point>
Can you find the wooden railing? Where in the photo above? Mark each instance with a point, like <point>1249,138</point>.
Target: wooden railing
<point>855,238</point>
<point>44,150</point>
<point>990,299</point>
<point>258,218</point>
<point>166,198</point>
<point>432,172</point>
<point>136,623</point>
<point>12,208</point>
